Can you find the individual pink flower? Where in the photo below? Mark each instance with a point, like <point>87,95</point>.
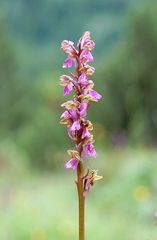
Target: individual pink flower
<point>68,47</point>
<point>89,149</point>
<point>67,63</point>
<point>65,114</point>
<point>86,56</point>
<point>85,37</point>
<point>83,109</point>
<point>75,126</point>
<point>83,79</point>
<point>89,45</point>
<point>94,94</point>
<point>73,113</point>
<point>85,42</point>
<point>68,88</point>
<point>71,132</point>
<point>71,135</point>
<point>85,133</point>
<point>72,163</point>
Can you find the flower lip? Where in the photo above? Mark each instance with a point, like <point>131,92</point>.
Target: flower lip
<point>89,149</point>
<point>76,125</point>
<point>73,113</point>
<point>72,163</point>
<point>86,56</point>
<point>67,63</point>
<point>65,114</point>
<point>68,88</point>
<point>85,133</point>
<point>94,94</point>
<point>83,79</point>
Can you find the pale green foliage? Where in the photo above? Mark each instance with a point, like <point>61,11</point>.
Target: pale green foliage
<point>120,207</point>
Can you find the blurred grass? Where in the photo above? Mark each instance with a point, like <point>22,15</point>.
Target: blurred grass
<point>121,206</point>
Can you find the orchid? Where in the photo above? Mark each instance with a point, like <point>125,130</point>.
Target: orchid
<point>75,115</point>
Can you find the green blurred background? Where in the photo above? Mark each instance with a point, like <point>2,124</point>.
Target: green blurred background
<point>38,199</point>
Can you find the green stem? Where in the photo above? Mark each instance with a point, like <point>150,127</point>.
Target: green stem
<point>81,200</point>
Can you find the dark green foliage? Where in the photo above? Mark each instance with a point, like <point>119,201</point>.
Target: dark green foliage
<point>26,118</point>
<point>10,87</point>
<point>130,81</point>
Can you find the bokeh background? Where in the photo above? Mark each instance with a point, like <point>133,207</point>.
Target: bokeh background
<point>38,199</point>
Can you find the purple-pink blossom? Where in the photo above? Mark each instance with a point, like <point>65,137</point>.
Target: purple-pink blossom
<point>75,126</point>
<point>86,56</point>
<point>68,88</point>
<point>72,163</point>
<point>95,94</point>
<point>85,133</point>
<point>65,114</point>
<point>89,149</point>
<point>67,63</point>
<point>73,113</point>
<point>83,79</point>
<point>83,108</point>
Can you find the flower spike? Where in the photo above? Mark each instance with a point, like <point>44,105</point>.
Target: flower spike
<point>78,127</point>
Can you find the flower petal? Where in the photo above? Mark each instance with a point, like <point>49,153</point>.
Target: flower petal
<point>65,114</point>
